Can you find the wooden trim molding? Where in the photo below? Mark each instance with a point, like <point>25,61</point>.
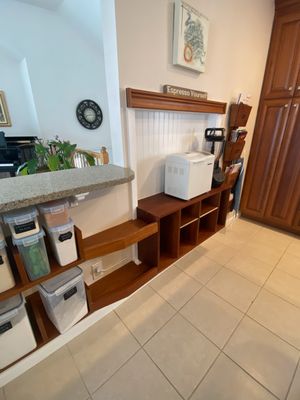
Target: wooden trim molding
<point>162,101</point>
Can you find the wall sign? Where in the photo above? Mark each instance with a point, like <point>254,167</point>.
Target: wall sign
<point>89,114</point>
<point>190,37</point>
<point>184,92</point>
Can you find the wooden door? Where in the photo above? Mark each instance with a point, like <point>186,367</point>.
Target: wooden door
<point>284,195</point>
<point>284,58</point>
<point>297,89</point>
<point>267,140</point>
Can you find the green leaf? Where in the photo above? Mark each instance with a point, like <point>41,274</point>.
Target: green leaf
<point>90,159</point>
<point>53,162</point>
<point>40,149</point>
<point>67,164</point>
<point>24,171</point>
<point>32,166</point>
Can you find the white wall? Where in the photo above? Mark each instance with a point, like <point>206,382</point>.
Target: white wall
<point>63,49</point>
<point>237,49</point>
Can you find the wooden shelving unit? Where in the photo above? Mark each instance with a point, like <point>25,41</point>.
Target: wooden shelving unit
<point>162,101</point>
<point>184,224</point>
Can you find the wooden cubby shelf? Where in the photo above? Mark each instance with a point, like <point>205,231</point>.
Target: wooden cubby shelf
<point>184,224</point>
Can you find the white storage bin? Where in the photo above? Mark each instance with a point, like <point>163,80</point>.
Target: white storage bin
<point>63,243</point>
<point>55,213</point>
<point>34,255</point>
<point>64,298</point>
<point>16,335</point>
<point>7,280</point>
<point>23,222</point>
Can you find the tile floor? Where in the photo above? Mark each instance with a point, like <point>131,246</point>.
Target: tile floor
<point>223,323</point>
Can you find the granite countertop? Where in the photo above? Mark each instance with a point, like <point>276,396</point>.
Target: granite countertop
<point>27,190</point>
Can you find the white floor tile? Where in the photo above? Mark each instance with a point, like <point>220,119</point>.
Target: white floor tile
<point>290,264</point>
<point>279,316</point>
<point>2,394</point>
<point>182,354</point>
<point>251,268</point>
<point>266,254</point>
<point>102,349</point>
<point>264,356</point>
<point>214,317</point>
<point>145,313</point>
<point>138,379</point>
<point>285,286</point>
<point>233,288</point>
<point>55,378</point>
<point>200,268</point>
<point>227,381</point>
<point>219,252</point>
<point>294,248</point>
<point>175,286</point>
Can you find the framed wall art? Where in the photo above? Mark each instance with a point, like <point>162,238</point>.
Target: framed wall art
<point>190,37</point>
<point>4,115</point>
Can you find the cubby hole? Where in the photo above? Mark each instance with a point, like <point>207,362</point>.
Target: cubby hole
<point>189,214</point>
<point>188,237</point>
<point>169,235</point>
<point>210,204</point>
<point>207,225</point>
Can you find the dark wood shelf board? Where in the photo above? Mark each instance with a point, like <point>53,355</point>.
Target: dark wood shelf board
<point>165,261</point>
<point>207,209</point>
<point>204,234</point>
<point>119,284</point>
<point>117,238</point>
<point>186,220</point>
<point>161,204</point>
<point>162,101</point>
<point>184,248</point>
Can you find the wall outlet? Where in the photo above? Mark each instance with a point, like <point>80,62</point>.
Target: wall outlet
<point>97,270</point>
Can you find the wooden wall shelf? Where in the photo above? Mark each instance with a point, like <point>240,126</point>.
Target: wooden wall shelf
<point>162,101</point>
<point>119,284</point>
<point>117,238</point>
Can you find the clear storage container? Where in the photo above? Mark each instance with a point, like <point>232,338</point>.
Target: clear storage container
<point>63,243</point>
<point>23,222</point>
<point>64,298</point>
<point>55,213</point>
<point>16,335</point>
<point>7,280</point>
<point>34,255</point>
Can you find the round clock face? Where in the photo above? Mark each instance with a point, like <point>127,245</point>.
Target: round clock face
<point>89,114</point>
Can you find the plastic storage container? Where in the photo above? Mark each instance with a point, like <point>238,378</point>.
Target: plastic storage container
<point>16,336</point>
<point>23,222</point>
<point>7,280</point>
<point>62,239</point>
<point>1,232</point>
<point>55,213</point>
<point>64,298</point>
<point>34,255</point>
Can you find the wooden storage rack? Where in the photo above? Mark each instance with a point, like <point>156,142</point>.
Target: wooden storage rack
<point>184,224</point>
<point>111,288</point>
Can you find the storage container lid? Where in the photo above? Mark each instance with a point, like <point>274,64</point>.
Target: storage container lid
<point>190,157</point>
<point>54,207</point>
<point>11,304</point>
<point>2,244</point>
<point>29,240</point>
<point>61,228</point>
<point>21,216</point>
<point>72,276</point>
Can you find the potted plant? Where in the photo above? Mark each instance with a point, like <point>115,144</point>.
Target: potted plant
<point>53,155</point>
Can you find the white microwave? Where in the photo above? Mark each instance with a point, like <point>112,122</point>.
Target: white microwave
<point>188,175</point>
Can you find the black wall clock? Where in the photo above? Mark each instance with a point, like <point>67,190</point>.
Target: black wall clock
<point>89,114</point>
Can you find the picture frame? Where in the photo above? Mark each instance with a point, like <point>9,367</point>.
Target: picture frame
<point>190,37</point>
<point>4,114</point>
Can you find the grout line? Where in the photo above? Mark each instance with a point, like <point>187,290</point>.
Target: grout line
<point>252,377</point>
<point>78,370</point>
<point>165,376</point>
<point>292,381</point>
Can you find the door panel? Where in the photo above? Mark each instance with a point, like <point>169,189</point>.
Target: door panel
<point>267,139</point>
<point>284,58</point>
<point>285,189</point>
